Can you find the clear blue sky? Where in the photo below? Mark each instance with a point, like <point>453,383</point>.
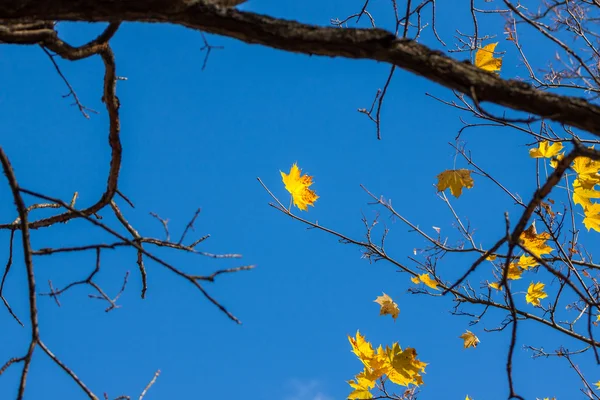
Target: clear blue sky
<point>195,138</point>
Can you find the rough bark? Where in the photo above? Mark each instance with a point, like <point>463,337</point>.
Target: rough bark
<point>373,44</point>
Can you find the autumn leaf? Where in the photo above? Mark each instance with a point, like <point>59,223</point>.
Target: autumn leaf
<point>363,349</point>
<point>527,262</point>
<point>426,279</point>
<point>361,388</point>
<point>456,180</point>
<point>536,244</point>
<point>388,307</point>
<point>581,195</point>
<point>470,339</point>
<point>484,58</point>
<point>298,185</point>
<point>554,161</point>
<point>535,292</point>
<point>496,285</point>
<point>592,217</point>
<point>404,369</point>
<point>514,272</point>
<point>468,398</point>
<point>597,385</point>
<point>491,257</point>
<point>587,171</point>
<point>545,150</point>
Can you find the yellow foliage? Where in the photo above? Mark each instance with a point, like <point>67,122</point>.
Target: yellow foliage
<point>404,368</point>
<point>535,292</point>
<point>400,367</point>
<point>535,243</point>
<point>388,307</point>
<point>298,186</point>
<point>592,217</point>
<point>361,388</point>
<point>456,180</point>
<point>587,171</point>
<point>514,272</point>
<point>581,195</point>
<point>597,384</point>
<point>484,58</point>
<point>527,262</point>
<point>491,257</point>
<point>470,340</point>
<point>545,150</point>
<point>495,285</point>
<point>426,279</point>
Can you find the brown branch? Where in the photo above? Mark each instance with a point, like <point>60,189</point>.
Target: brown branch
<point>373,44</point>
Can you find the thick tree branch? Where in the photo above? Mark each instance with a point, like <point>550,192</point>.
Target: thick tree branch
<point>373,44</point>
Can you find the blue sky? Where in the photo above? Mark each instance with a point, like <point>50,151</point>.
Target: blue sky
<point>195,138</point>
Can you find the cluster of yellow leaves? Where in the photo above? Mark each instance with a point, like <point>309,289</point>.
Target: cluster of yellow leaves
<point>388,307</point>
<point>426,279</point>
<point>456,180</point>
<point>584,190</point>
<point>584,185</point>
<point>535,292</point>
<point>298,186</point>
<point>470,340</point>
<point>399,366</point>
<point>484,58</point>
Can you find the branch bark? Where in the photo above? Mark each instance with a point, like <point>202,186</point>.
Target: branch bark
<point>373,44</point>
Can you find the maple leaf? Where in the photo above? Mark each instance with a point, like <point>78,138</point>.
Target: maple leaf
<point>597,385</point>
<point>491,257</point>
<point>554,161</point>
<point>362,348</point>
<point>514,272</point>
<point>388,307</point>
<point>470,339</point>
<point>484,58</point>
<point>592,217</point>
<point>456,180</point>
<point>496,285</point>
<point>545,150</point>
<point>535,292</point>
<point>581,195</point>
<point>527,262</point>
<point>361,388</point>
<point>298,185</point>
<point>536,244</point>
<point>587,171</point>
<point>426,279</point>
<point>404,368</point>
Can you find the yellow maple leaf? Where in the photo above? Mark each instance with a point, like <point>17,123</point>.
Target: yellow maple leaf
<point>496,285</point>
<point>468,398</point>
<point>361,388</point>
<point>484,58</point>
<point>581,195</point>
<point>456,180</point>
<point>527,262</point>
<point>535,292</point>
<point>587,171</point>
<point>554,161</point>
<point>514,272</point>
<point>597,385</point>
<point>535,243</point>
<point>404,368</point>
<point>545,150</point>
<point>362,348</point>
<point>470,339</point>
<point>388,307</point>
<point>491,257</point>
<point>426,279</point>
<point>298,185</point>
<point>592,217</point>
